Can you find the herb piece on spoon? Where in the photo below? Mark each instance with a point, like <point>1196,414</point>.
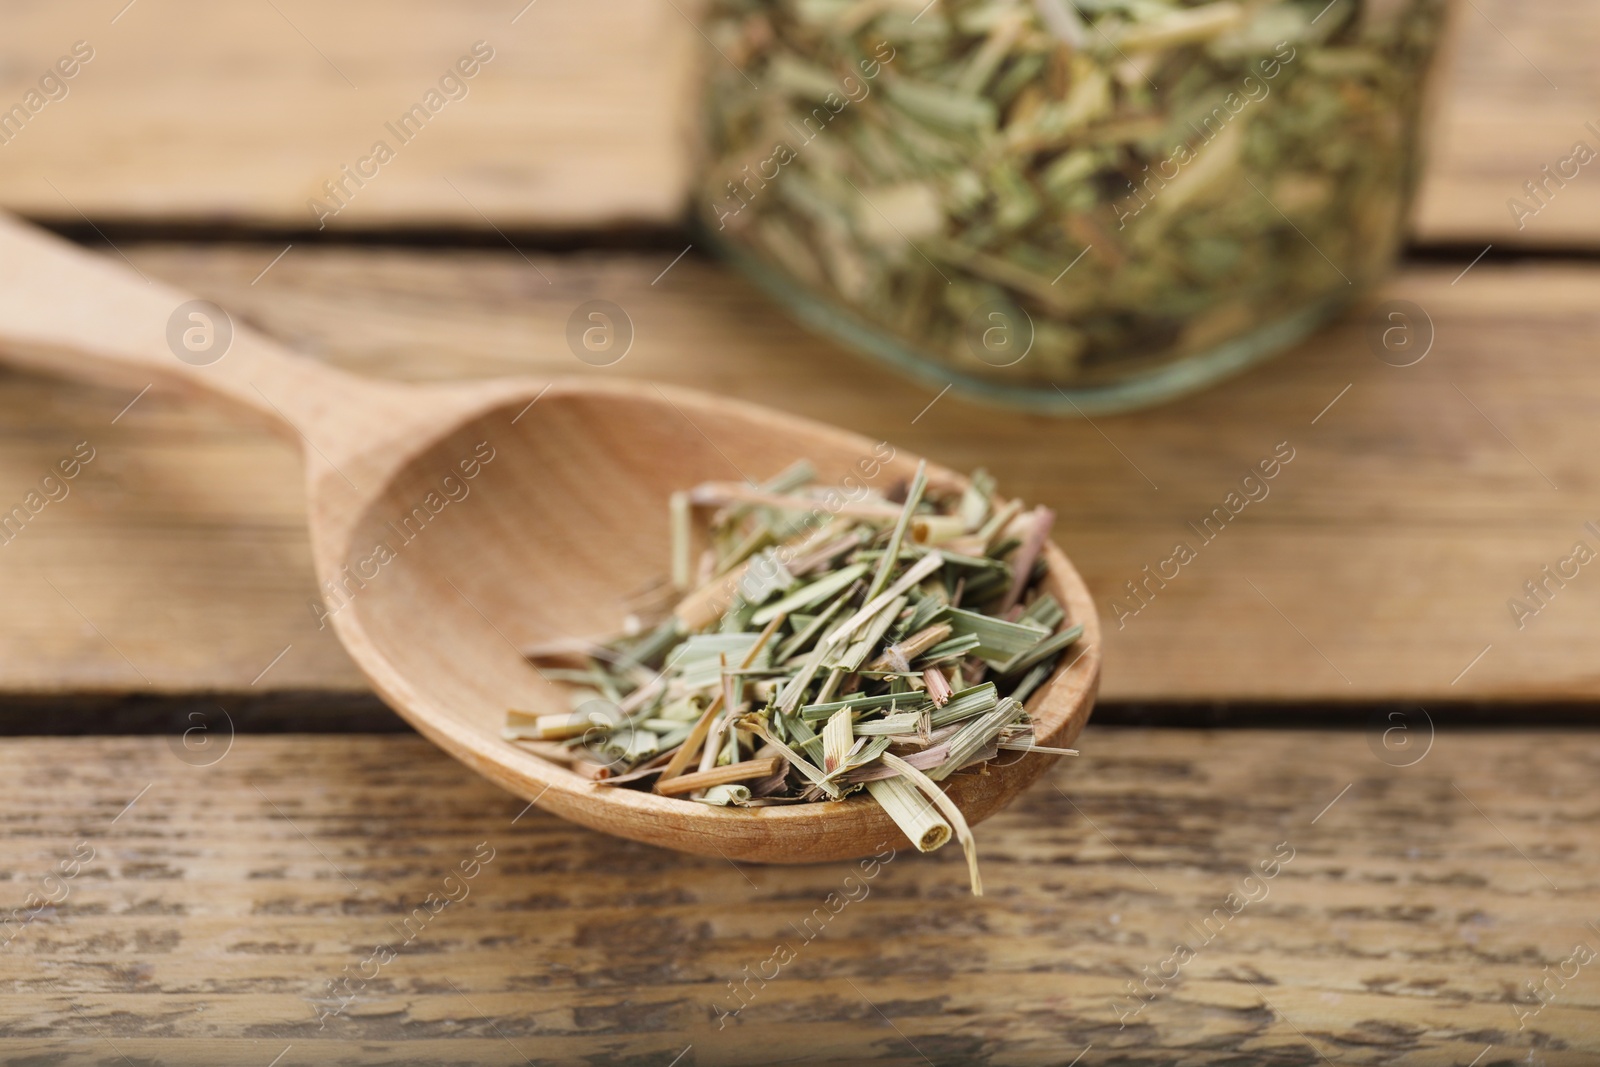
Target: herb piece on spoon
<point>825,643</point>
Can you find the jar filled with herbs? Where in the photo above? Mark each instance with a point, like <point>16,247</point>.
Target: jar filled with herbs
<point>1067,205</point>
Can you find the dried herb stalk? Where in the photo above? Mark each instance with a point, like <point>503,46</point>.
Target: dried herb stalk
<point>919,820</point>
<point>735,772</point>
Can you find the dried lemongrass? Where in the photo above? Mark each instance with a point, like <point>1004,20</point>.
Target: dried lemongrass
<point>899,655</point>
<point>715,737</point>
<point>967,704</point>
<point>803,765</point>
<point>917,819</point>
<point>737,772</point>
<point>888,726</point>
<point>1029,746</point>
<point>891,552</point>
<point>917,572</point>
<point>1044,650</point>
<point>678,510</point>
<point>812,629</point>
<point>975,735</point>
<point>937,529</point>
<point>851,658</point>
<point>1022,564</point>
<point>628,746</point>
<point>819,657</point>
<point>729,492</point>
<point>1208,171</point>
<point>947,807</point>
<point>836,740</point>
<point>814,593</point>
<point>521,725</point>
<point>998,640</point>
<point>723,795</point>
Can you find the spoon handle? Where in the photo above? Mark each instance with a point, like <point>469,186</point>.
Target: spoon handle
<point>68,312</point>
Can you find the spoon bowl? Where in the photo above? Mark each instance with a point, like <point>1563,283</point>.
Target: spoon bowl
<point>455,525</point>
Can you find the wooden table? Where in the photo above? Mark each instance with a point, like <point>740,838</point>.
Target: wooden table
<point>1427,762</point>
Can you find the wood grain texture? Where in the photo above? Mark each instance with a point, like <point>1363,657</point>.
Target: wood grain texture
<point>223,114</point>
<point>217,908</point>
<point>579,118</point>
<point>1382,561</point>
<point>1520,94</point>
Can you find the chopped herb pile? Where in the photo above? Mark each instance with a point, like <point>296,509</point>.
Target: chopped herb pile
<point>934,170</point>
<point>824,643</point>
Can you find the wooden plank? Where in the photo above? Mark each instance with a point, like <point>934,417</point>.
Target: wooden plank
<point>1518,97</point>
<point>1379,567</point>
<point>579,119</point>
<point>1408,908</point>
<point>216,113</point>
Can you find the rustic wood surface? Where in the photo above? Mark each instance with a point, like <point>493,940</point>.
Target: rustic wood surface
<point>1379,567</point>
<point>575,505</point>
<point>226,113</point>
<point>1520,93</point>
<point>578,119</point>
<point>216,909</point>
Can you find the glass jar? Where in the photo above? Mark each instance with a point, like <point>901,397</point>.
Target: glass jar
<point>1067,206</point>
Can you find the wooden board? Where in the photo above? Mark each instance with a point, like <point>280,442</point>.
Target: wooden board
<point>218,113</point>
<point>226,114</point>
<point>1379,567</point>
<point>1519,95</point>
<point>1414,904</point>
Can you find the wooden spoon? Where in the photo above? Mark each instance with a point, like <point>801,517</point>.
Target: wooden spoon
<point>454,525</point>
